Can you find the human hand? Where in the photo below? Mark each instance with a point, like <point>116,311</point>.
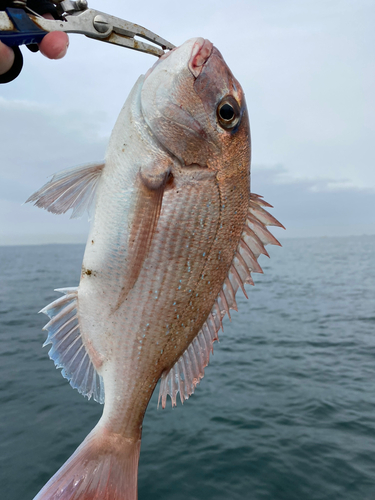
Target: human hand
<point>6,58</point>
<point>54,46</point>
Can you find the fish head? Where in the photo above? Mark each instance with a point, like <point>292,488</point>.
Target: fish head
<point>196,108</point>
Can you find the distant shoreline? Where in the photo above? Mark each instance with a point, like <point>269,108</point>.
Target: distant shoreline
<point>72,240</point>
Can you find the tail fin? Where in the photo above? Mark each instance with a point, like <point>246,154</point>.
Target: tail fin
<point>104,467</point>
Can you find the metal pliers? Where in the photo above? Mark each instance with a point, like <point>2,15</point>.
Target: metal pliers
<point>20,26</point>
<point>23,26</point>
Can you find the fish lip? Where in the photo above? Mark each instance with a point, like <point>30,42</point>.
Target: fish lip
<point>200,53</point>
<point>162,58</point>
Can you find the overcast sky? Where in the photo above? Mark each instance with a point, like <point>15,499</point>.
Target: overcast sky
<point>308,71</point>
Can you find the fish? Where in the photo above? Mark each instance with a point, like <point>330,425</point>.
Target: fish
<point>175,233</point>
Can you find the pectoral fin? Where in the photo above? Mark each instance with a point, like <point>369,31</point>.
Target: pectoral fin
<point>150,190</point>
<point>74,188</point>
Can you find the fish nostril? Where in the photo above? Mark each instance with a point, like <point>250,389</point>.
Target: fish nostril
<point>201,51</point>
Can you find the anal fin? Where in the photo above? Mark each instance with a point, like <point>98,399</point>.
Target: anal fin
<point>68,350</point>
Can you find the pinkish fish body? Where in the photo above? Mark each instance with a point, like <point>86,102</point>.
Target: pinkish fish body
<point>175,234</point>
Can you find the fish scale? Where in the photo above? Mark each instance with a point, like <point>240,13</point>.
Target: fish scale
<point>158,313</point>
<point>174,235</point>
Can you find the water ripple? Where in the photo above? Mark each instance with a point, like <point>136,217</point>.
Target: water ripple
<point>285,411</point>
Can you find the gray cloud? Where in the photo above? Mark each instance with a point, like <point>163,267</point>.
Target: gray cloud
<point>307,69</point>
<point>315,208</point>
<point>49,141</point>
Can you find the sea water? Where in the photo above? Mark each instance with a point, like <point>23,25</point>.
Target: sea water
<point>286,409</point>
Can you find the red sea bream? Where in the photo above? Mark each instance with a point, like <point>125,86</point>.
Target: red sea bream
<point>174,235</point>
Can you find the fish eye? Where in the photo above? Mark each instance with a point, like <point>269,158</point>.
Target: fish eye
<point>228,112</point>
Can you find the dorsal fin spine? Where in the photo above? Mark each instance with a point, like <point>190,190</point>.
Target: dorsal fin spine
<point>246,253</point>
<point>208,337</point>
<point>256,242</point>
<point>225,303</point>
<point>232,295</point>
<point>261,231</point>
<point>178,384</point>
<point>258,199</point>
<point>188,373</point>
<point>205,349</point>
<point>193,362</point>
<point>238,279</point>
<point>198,355</point>
<point>211,327</point>
<point>218,313</point>
<point>182,383</point>
<point>263,216</point>
<point>243,265</point>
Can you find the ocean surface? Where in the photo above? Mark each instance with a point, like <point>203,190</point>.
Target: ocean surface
<point>286,410</point>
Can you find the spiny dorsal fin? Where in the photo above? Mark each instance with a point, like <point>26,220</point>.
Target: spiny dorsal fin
<point>68,351</point>
<point>187,372</point>
<point>74,188</point>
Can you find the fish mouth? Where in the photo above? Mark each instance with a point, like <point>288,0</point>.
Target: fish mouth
<point>162,58</point>
<point>201,50</point>
<point>200,53</point>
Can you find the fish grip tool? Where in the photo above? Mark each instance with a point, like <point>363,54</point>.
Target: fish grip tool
<point>20,26</point>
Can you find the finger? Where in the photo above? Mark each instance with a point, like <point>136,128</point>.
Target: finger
<point>55,44</point>
<point>6,58</point>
